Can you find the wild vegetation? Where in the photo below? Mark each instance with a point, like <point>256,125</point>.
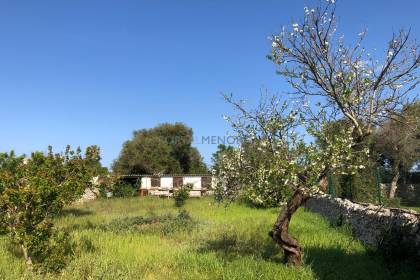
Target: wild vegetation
<point>148,238</point>
<point>182,194</point>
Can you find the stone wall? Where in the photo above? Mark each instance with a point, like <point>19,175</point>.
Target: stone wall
<point>369,222</point>
<point>88,195</point>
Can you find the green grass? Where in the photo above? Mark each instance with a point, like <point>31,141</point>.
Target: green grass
<point>222,243</point>
<point>415,208</point>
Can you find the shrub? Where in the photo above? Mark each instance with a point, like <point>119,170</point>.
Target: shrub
<point>123,190</point>
<point>164,224</point>
<point>117,187</point>
<point>392,202</point>
<point>360,186</point>
<point>85,244</point>
<point>32,192</point>
<point>397,249</point>
<point>106,185</point>
<point>182,194</point>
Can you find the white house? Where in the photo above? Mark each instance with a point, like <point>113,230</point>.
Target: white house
<point>163,185</point>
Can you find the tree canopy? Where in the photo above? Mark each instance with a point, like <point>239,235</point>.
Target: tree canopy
<point>166,148</point>
<point>397,142</point>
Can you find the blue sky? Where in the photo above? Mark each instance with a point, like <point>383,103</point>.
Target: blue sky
<point>91,72</point>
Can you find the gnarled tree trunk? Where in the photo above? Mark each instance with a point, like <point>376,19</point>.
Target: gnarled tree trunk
<point>280,231</point>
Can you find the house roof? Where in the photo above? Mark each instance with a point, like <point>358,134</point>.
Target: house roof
<point>165,175</point>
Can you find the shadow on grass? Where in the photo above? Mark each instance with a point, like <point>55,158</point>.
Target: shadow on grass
<point>230,245</point>
<point>326,263</point>
<point>336,263</point>
<point>75,212</point>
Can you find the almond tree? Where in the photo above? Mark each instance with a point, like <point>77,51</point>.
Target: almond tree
<point>294,165</point>
<point>346,83</point>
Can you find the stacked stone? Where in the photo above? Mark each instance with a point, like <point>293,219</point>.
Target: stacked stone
<point>369,222</point>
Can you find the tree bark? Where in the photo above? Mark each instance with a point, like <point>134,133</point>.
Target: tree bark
<point>280,231</point>
<point>394,183</point>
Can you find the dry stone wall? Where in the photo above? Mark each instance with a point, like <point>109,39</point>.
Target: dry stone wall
<point>369,223</point>
<point>89,195</point>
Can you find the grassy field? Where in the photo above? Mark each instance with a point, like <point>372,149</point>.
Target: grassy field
<point>218,243</point>
<point>412,208</point>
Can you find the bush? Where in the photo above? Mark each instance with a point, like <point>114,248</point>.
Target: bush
<point>181,222</point>
<point>164,224</point>
<point>392,202</point>
<point>182,194</point>
<point>85,244</point>
<point>359,187</point>
<point>32,192</point>
<point>123,190</point>
<point>117,187</point>
<point>397,249</point>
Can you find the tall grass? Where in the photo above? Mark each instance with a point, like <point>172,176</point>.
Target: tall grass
<point>222,243</point>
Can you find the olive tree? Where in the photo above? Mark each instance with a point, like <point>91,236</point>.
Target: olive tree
<point>166,148</point>
<point>397,144</point>
<point>331,81</point>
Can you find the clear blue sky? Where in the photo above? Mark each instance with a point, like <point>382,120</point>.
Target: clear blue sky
<point>91,72</point>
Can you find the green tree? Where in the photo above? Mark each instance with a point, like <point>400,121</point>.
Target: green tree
<point>146,154</point>
<point>163,149</point>
<point>93,159</point>
<point>397,142</point>
<point>32,192</point>
<point>197,165</point>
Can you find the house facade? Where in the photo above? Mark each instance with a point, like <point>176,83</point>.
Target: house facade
<point>164,185</point>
